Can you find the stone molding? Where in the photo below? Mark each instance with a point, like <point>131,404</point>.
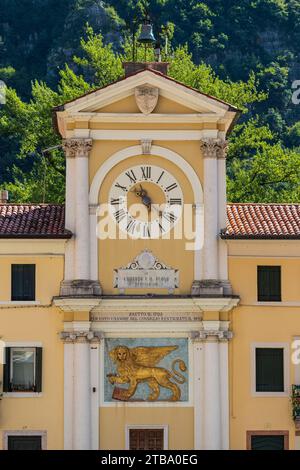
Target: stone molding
<point>146,145</point>
<point>80,287</point>
<point>81,336</point>
<point>214,148</point>
<point>211,288</point>
<point>77,147</point>
<point>211,335</point>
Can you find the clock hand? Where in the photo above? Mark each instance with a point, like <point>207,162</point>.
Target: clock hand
<point>157,210</point>
<point>143,194</point>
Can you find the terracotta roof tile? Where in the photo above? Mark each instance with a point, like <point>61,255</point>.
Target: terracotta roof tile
<point>33,221</point>
<point>263,221</point>
<point>245,221</point>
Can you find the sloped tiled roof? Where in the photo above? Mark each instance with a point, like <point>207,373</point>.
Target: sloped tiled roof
<point>33,221</point>
<point>264,221</point>
<point>244,221</point>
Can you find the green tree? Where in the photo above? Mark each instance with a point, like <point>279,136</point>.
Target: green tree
<point>260,169</point>
<point>258,165</point>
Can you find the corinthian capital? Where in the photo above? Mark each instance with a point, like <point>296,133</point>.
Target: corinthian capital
<point>214,148</point>
<point>77,147</point>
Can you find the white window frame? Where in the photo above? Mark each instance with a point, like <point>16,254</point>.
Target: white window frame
<point>7,434</point>
<point>286,369</point>
<point>32,349</point>
<point>164,427</point>
<point>23,345</point>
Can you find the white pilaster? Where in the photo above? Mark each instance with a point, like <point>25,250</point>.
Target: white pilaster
<point>212,408</point>
<point>68,393</point>
<point>81,410</point>
<point>222,214</point>
<point>93,243</point>
<point>82,255</point>
<point>211,268</point>
<point>95,398</point>
<point>199,242</point>
<point>198,392</point>
<point>224,378</point>
<point>70,214</point>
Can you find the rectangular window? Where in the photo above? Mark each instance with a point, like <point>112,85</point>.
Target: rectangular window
<point>269,283</point>
<point>269,369</point>
<point>23,282</point>
<point>24,443</point>
<point>146,439</point>
<point>267,440</point>
<point>23,370</point>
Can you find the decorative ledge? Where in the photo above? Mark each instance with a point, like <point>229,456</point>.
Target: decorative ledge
<point>73,304</point>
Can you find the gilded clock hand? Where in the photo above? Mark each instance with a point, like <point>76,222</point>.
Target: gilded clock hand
<point>143,194</point>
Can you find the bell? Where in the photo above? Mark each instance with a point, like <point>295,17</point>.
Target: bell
<point>147,36</point>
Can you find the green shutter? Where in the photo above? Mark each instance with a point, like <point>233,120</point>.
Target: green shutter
<point>270,442</point>
<point>23,282</point>
<point>269,370</point>
<point>269,283</point>
<point>38,369</point>
<point>6,372</point>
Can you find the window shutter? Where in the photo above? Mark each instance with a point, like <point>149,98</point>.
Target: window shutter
<point>29,282</point>
<point>16,281</point>
<point>269,283</point>
<point>271,442</point>
<point>23,282</point>
<point>6,372</point>
<point>38,369</point>
<point>269,370</point>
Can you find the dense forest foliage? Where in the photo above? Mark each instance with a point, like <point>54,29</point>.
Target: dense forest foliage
<point>243,51</point>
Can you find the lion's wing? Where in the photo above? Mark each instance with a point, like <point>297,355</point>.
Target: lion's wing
<point>150,356</point>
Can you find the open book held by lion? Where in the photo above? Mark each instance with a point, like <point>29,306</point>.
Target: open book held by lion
<point>137,365</point>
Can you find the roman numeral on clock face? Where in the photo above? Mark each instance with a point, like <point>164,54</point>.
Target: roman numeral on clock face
<point>169,217</point>
<point>146,231</point>
<point>131,226</point>
<point>146,172</point>
<point>161,175</point>
<point>175,202</point>
<point>120,215</point>
<point>118,185</point>
<point>115,202</point>
<point>131,176</point>
<point>171,187</point>
<point>161,228</point>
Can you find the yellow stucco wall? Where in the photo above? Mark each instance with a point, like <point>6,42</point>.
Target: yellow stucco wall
<point>113,422</point>
<point>254,323</point>
<point>35,324</point>
<point>49,274</point>
<point>128,105</point>
<point>113,255</point>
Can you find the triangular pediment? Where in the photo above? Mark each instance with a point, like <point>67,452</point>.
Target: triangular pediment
<point>189,99</point>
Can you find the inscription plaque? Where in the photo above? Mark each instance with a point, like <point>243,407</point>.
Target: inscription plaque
<point>146,272</point>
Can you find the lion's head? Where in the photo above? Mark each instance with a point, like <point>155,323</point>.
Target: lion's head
<point>120,354</point>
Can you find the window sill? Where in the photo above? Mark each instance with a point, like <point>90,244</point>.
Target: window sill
<point>270,303</point>
<point>22,395</point>
<point>16,303</point>
<point>270,394</point>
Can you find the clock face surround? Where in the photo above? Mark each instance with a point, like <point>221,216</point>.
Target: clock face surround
<point>146,201</point>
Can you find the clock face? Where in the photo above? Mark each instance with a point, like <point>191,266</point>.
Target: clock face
<point>146,201</point>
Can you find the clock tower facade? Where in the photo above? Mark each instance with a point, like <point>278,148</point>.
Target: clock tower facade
<point>146,295</point>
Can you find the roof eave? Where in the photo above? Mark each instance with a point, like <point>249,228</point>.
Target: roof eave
<point>260,237</point>
<point>65,236</point>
